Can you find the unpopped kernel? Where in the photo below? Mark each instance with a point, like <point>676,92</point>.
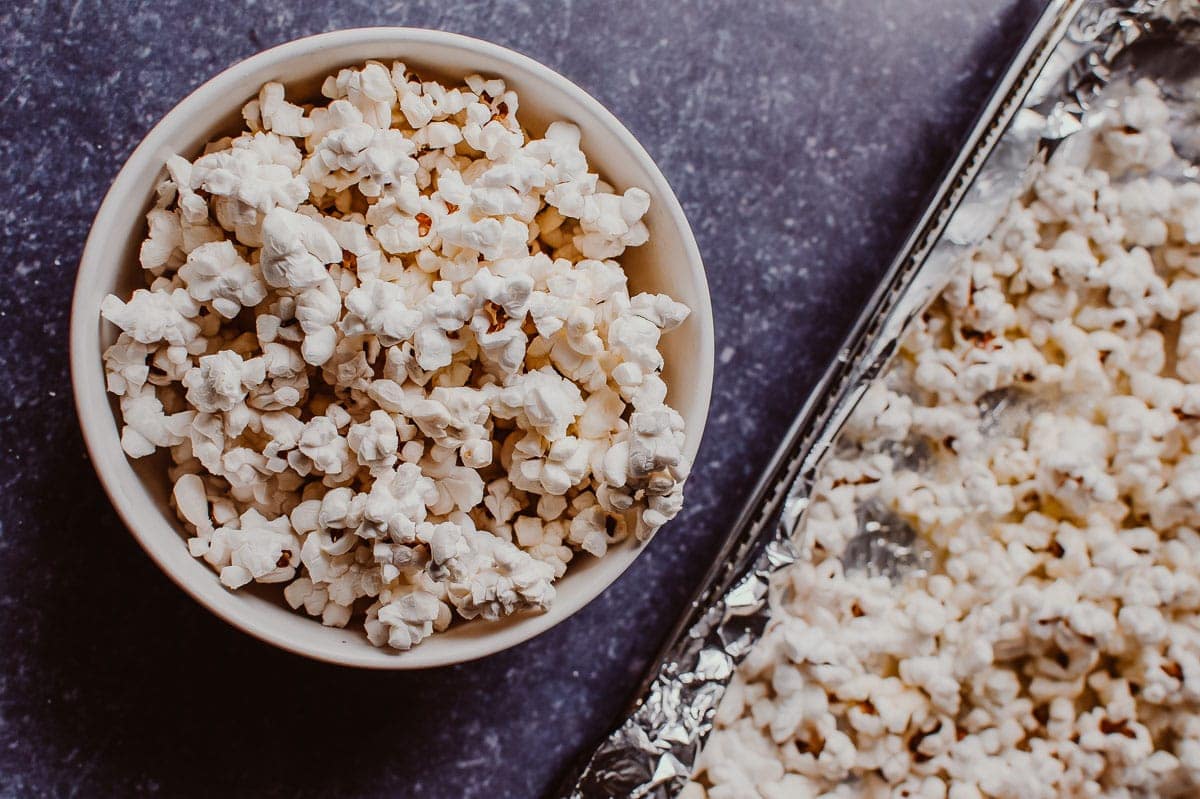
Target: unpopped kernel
<point>1052,647</point>
<point>395,362</point>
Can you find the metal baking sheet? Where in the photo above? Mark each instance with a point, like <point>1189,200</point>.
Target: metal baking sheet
<point>1076,49</point>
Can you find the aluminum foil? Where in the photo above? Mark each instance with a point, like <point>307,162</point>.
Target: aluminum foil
<point>1076,49</point>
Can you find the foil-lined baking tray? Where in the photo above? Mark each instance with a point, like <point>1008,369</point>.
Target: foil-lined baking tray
<point>1076,49</point>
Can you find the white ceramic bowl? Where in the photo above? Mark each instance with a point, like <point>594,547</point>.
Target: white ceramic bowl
<point>139,490</point>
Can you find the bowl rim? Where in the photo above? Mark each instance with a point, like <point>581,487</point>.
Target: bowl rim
<point>87,374</point>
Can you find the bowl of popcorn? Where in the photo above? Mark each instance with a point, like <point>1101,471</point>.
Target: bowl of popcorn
<point>392,347</point>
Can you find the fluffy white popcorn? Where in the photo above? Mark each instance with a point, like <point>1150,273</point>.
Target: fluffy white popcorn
<point>125,365</point>
<point>1035,434</point>
<point>221,381</point>
<point>613,224</point>
<point>151,317</point>
<point>148,426</point>
<point>377,307</point>
<point>256,550</point>
<point>216,273</point>
<point>405,621</point>
<point>255,174</point>
<point>295,250</point>
<point>164,242</point>
<point>542,401</point>
<point>369,89</point>
<point>280,116</point>
<point>393,359</point>
<point>491,578</point>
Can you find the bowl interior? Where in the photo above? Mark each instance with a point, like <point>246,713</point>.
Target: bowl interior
<point>669,263</point>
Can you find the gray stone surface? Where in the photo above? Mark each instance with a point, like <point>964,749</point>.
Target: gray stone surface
<point>801,138</point>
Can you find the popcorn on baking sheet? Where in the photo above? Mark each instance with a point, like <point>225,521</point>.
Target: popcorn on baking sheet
<point>395,362</point>
<point>1052,649</point>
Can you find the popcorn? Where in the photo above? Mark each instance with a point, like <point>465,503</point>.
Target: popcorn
<point>148,426</point>
<point>255,174</point>
<point>321,449</point>
<point>295,250</point>
<point>375,442</point>
<point>542,401</point>
<point>216,273</point>
<point>394,363</point>
<point>368,89</point>
<point>163,246</point>
<point>1050,649</point>
<point>125,366</point>
<point>259,550</point>
<point>279,116</point>
<point>614,224</point>
<point>493,578</point>
<point>316,310</point>
<point>377,307</point>
<point>221,381</point>
<point>151,317</point>
<point>404,622</point>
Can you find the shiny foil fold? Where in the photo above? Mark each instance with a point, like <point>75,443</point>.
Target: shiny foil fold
<point>1074,51</point>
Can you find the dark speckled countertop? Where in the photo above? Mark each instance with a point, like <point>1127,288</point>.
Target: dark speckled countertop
<point>801,138</point>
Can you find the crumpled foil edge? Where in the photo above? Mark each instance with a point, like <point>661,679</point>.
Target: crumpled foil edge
<point>1065,62</point>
